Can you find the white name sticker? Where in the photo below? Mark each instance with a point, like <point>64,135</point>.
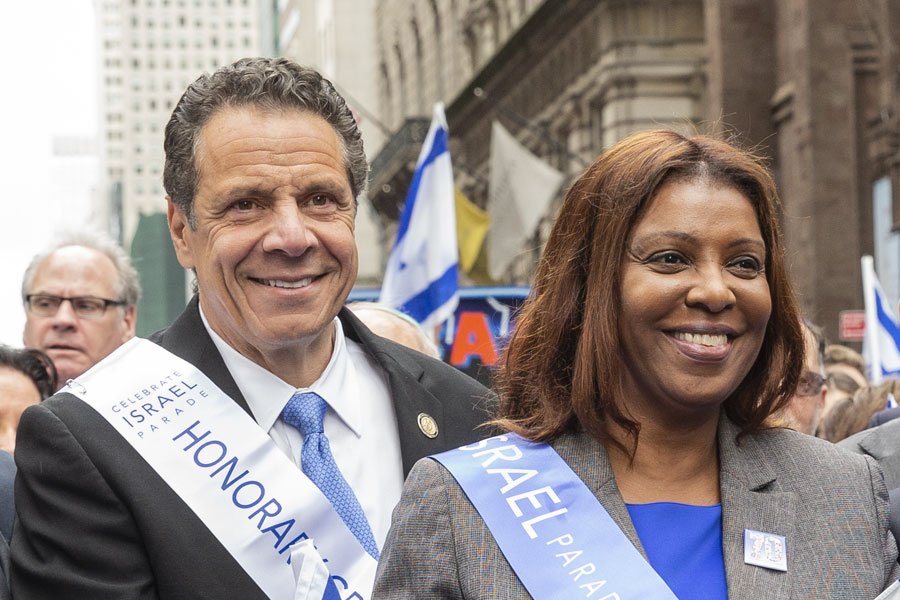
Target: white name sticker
<point>765,550</point>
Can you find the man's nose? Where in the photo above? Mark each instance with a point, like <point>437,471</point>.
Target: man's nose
<point>65,315</point>
<point>289,231</point>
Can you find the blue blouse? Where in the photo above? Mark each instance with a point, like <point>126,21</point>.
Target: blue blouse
<point>684,545</point>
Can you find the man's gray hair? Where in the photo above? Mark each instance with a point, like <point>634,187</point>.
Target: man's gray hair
<point>271,84</point>
<point>126,286</point>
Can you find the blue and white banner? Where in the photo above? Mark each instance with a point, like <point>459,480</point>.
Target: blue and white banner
<point>882,341</point>
<point>555,534</point>
<point>422,274</point>
<point>269,516</point>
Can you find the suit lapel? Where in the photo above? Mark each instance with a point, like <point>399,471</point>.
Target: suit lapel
<point>411,399</point>
<point>750,501</point>
<point>589,460</point>
<point>188,339</point>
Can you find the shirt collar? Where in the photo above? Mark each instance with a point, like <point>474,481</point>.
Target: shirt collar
<point>267,394</point>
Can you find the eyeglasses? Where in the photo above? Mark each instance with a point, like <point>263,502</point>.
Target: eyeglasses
<point>810,384</point>
<point>85,307</point>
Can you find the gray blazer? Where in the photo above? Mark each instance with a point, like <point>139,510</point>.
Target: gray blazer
<point>830,505</point>
<point>883,444</point>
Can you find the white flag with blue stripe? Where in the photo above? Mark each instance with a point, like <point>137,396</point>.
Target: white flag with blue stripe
<point>882,341</point>
<point>422,273</point>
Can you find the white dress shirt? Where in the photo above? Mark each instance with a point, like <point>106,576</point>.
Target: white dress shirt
<point>360,422</point>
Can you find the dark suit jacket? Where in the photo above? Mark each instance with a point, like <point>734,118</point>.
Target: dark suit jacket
<point>95,521</point>
<point>884,416</point>
<point>831,507</point>
<point>7,517</point>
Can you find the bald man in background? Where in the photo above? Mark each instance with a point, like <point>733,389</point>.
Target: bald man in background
<point>80,297</point>
<point>394,325</point>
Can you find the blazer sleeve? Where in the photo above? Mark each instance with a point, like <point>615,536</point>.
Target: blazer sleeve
<point>74,538</point>
<point>418,559</point>
<point>882,508</point>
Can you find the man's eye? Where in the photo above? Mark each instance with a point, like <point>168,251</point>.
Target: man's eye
<point>320,200</point>
<point>245,205</point>
<point>88,306</point>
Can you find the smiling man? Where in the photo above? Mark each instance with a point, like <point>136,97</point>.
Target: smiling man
<point>263,439</point>
<point>80,298</point>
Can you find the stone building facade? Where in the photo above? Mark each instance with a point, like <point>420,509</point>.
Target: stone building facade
<point>810,84</point>
<point>815,84</point>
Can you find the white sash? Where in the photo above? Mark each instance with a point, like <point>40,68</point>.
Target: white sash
<point>253,499</point>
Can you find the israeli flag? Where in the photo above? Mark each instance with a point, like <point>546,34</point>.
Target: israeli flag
<point>422,274</point>
<point>882,339</point>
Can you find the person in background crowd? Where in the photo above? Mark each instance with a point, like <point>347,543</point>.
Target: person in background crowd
<point>27,377</point>
<point>320,418</point>
<point>804,411</point>
<point>845,360</point>
<point>80,297</point>
<point>660,335</point>
<point>7,518</point>
<point>394,325</point>
<point>844,372</point>
<point>851,414</point>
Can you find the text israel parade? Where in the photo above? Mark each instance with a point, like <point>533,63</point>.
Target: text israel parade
<point>153,407</point>
<point>540,527</point>
<point>229,473</point>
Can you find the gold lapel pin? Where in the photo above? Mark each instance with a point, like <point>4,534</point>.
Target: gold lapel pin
<point>428,425</point>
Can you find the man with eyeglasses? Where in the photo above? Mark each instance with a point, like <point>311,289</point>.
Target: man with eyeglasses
<point>80,297</point>
<point>804,411</point>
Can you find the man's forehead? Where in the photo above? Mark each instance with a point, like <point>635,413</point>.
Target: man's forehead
<point>75,267</point>
<point>226,117</point>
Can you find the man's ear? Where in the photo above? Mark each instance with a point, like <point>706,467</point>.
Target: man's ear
<point>179,229</point>
<point>130,322</point>
<point>821,399</point>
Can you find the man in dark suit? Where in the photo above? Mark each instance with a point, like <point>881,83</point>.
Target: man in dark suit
<point>264,163</point>
<point>7,515</point>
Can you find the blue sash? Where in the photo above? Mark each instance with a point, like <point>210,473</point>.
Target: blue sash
<point>554,533</point>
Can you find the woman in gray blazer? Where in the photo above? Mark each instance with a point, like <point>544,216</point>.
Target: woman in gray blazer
<point>637,462</point>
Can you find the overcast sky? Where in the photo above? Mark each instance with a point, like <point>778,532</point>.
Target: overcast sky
<point>48,89</point>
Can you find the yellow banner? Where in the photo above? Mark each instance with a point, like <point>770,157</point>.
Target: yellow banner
<point>472,225</point>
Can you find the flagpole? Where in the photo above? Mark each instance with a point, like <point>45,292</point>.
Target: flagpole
<point>872,346</point>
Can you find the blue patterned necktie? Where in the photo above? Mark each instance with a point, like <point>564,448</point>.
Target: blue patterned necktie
<point>305,411</point>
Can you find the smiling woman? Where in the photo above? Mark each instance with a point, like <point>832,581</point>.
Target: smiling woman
<point>634,395</point>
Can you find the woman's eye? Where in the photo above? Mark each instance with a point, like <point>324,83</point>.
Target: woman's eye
<point>746,265</point>
<point>668,258</point>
